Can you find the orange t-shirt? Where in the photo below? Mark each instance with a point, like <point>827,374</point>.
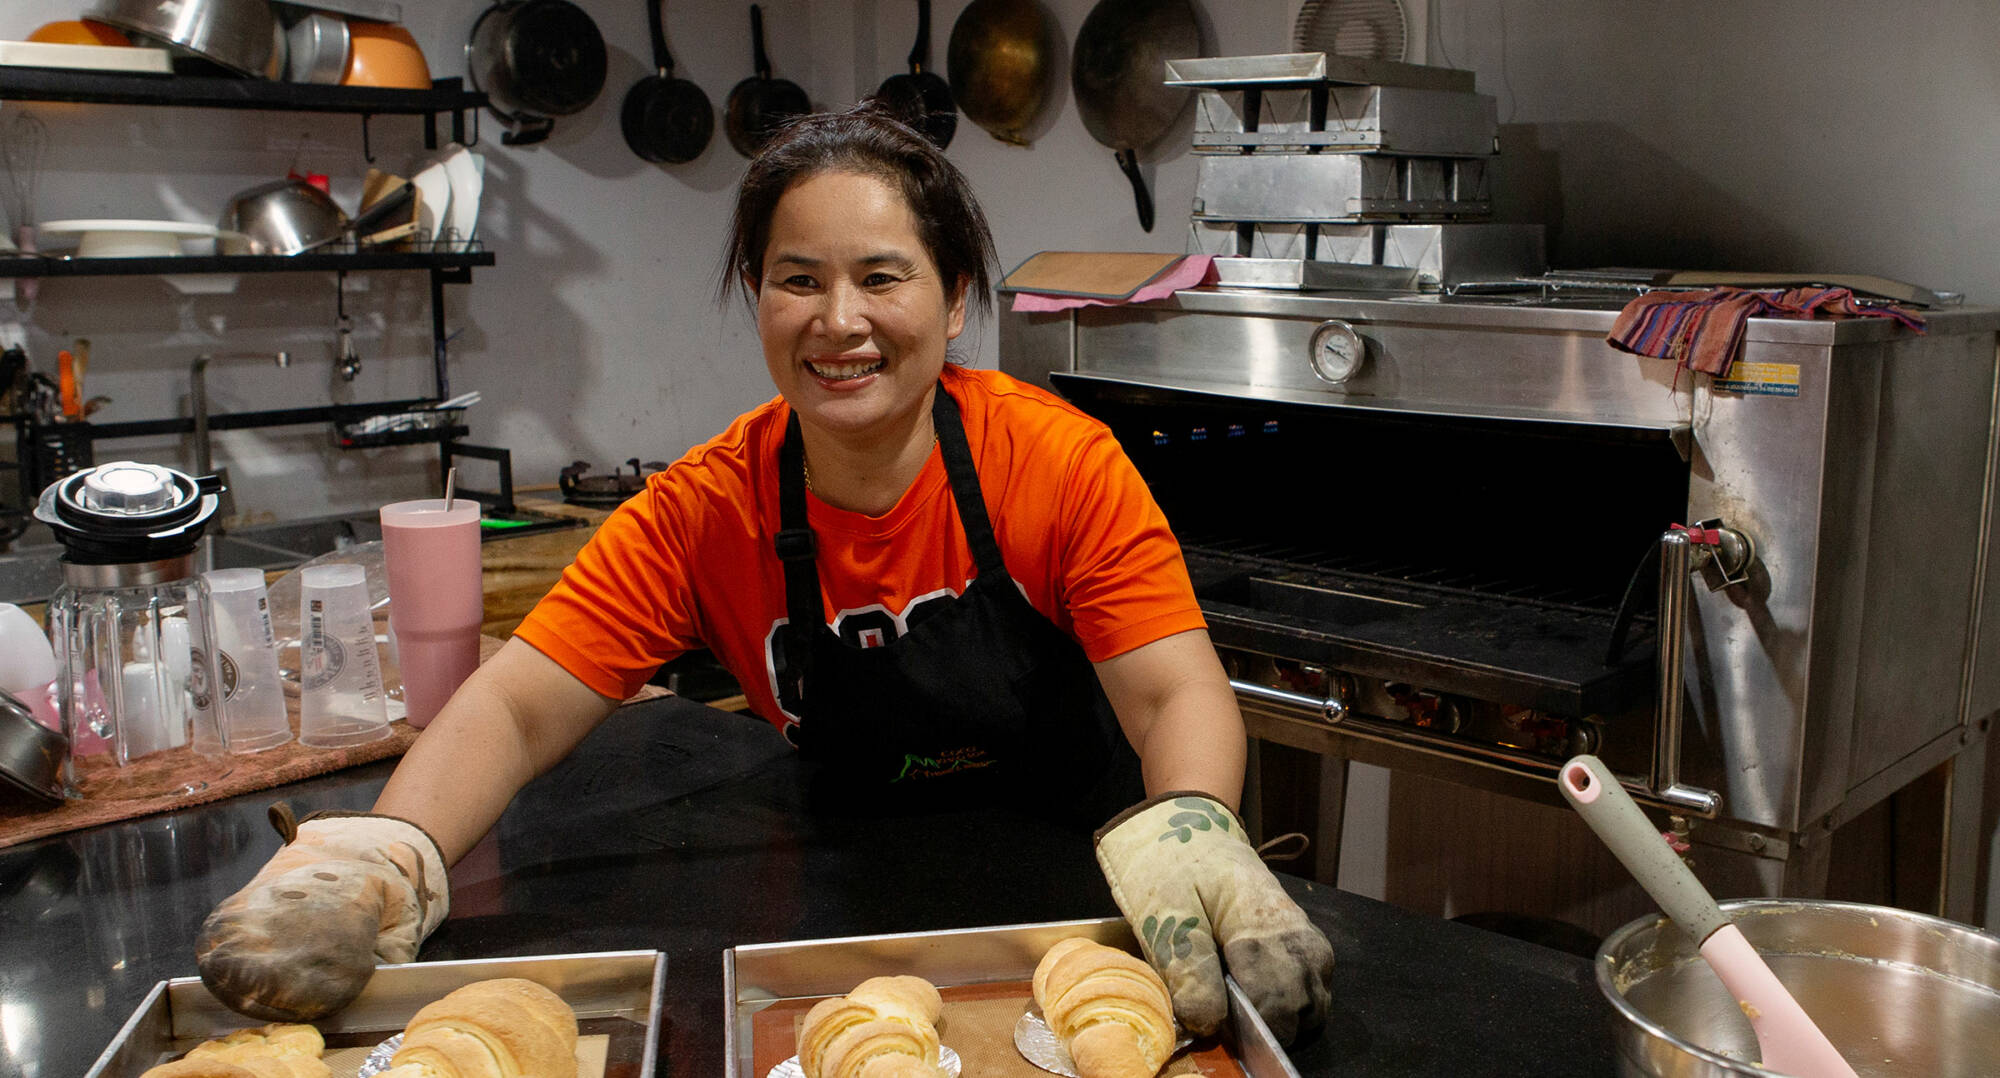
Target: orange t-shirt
<point>689,562</point>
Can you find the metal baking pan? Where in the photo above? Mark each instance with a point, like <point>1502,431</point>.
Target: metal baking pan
<point>755,976</point>
<point>1331,187</point>
<point>1309,68</point>
<point>615,992</point>
<point>1303,275</point>
<point>1376,119</point>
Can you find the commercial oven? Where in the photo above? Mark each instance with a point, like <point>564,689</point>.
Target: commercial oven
<point>1463,535</point>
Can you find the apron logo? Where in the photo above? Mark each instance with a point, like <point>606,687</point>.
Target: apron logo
<point>931,767</point>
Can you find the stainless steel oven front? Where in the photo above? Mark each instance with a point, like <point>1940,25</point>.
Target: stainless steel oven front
<point>1467,536</point>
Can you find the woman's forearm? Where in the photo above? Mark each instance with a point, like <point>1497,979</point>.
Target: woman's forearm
<point>514,718</point>
<point>1174,702</point>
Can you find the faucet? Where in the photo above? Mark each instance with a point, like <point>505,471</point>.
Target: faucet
<point>198,399</point>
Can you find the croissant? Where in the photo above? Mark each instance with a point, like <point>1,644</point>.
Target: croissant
<point>272,1051</point>
<point>504,1028</point>
<point>885,1028</point>
<point>1110,1010</point>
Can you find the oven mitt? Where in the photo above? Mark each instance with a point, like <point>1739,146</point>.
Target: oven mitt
<point>1187,879</point>
<point>347,890</point>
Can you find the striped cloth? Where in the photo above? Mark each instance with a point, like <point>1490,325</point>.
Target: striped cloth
<point>1703,331</point>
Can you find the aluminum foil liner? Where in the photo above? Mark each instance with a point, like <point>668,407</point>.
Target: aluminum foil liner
<point>790,1068</point>
<point>378,1060</point>
<point>1038,1044</point>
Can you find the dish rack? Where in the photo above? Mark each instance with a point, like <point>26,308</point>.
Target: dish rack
<point>401,428</point>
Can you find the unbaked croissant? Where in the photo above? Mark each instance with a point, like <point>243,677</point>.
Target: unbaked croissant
<point>504,1028</point>
<point>885,1028</point>
<point>1110,1010</point>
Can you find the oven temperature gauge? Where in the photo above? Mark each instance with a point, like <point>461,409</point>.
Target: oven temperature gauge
<point>1337,352</point>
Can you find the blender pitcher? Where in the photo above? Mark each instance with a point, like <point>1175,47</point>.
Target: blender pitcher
<point>131,624</point>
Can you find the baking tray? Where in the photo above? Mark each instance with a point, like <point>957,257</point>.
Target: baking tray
<point>1377,119</point>
<point>617,993</point>
<point>758,976</point>
<point>1302,275</point>
<point>1312,68</point>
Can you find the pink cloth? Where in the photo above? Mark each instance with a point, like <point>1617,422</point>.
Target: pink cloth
<point>1187,273</point>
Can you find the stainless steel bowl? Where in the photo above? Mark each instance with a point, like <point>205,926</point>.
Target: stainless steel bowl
<point>284,217</point>
<point>241,35</point>
<point>1900,994</point>
<point>31,755</point>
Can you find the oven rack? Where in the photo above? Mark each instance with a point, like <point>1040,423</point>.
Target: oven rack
<point>1439,580</point>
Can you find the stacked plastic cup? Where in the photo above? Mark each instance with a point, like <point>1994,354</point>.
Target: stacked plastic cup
<point>253,699</point>
<point>342,703</point>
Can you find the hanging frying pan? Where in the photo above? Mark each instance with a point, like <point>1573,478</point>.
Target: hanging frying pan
<point>535,60</point>
<point>666,120</point>
<point>760,104</point>
<point>1118,73</point>
<point>920,92</point>
<point>1001,61</point>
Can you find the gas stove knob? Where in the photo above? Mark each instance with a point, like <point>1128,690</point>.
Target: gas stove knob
<point>1337,352</point>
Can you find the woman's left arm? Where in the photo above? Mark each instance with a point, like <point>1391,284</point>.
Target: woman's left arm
<point>1174,702</point>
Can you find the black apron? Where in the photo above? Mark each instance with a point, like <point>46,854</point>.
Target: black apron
<point>980,699</point>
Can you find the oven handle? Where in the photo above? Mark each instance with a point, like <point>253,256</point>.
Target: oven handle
<point>1331,709</point>
<point>1682,551</point>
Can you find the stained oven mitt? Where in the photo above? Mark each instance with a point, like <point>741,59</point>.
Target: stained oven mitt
<point>347,890</point>
<point>1188,880</point>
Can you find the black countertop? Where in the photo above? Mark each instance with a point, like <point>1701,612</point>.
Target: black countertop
<point>684,829</point>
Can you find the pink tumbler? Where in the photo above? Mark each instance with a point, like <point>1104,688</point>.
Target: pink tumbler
<point>431,554</point>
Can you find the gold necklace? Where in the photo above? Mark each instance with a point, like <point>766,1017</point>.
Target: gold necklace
<point>806,461</point>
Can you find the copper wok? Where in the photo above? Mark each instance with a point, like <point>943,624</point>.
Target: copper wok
<point>1000,61</point>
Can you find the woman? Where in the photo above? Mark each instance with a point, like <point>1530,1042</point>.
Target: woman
<point>923,574</point>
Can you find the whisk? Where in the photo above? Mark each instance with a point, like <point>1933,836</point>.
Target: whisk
<point>26,140</point>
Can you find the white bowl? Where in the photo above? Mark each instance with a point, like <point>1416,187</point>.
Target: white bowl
<point>128,239</point>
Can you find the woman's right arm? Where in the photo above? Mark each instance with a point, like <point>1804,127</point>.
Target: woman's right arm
<point>517,716</point>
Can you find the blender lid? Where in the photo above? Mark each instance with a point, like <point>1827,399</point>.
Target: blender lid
<point>128,510</point>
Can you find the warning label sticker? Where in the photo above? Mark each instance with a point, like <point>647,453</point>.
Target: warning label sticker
<point>1766,379</point>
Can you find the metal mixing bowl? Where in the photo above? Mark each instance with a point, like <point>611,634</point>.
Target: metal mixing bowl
<point>284,217</point>
<point>241,35</point>
<point>31,755</point>
<point>1899,994</point>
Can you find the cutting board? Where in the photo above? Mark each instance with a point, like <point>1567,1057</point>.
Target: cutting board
<point>1104,275</point>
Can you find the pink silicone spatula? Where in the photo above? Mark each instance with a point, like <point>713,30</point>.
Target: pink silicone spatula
<point>1789,1040</point>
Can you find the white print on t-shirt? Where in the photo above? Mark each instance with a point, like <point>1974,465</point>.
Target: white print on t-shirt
<point>871,626</point>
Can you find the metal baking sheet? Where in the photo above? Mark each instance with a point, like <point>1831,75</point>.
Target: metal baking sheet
<point>1302,275</point>
<point>123,59</point>
<point>1291,68</point>
<point>181,1013</point>
<point>755,976</point>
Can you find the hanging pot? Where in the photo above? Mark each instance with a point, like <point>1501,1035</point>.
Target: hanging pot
<point>1118,73</point>
<point>920,93</point>
<point>666,120</point>
<point>1001,63</point>
<point>760,104</point>
<point>535,60</point>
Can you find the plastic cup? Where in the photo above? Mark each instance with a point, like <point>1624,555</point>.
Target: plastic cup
<point>253,699</point>
<point>342,702</point>
<point>431,556</point>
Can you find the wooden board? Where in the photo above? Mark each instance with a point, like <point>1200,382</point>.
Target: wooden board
<point>1106,275</point>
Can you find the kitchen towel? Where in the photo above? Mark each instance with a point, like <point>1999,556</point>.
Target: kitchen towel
<point>1703,331</point>
<point>1060,280</point>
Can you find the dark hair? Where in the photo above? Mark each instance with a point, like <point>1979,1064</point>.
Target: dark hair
<point>870,140</point>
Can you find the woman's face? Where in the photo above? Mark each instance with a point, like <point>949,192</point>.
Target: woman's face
<point>850,308</point>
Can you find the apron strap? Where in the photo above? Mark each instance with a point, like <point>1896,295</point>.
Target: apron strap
<point>964,476</point>
<point>799,551</point>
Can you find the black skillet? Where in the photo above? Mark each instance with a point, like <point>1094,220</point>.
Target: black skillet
<point>760,104</point>
<point>666,120</point>
<point>1117,68</point>
<point>921,94</point>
